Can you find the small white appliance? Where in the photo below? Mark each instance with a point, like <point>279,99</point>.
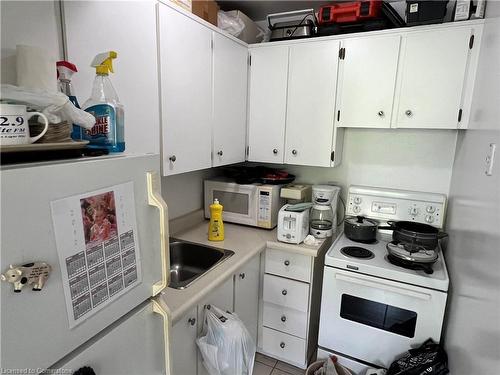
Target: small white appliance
<point>296,193</point>
<point>256,205</point>
<point>293,226</point>
<point>367,299</point>
<point>323,221</point>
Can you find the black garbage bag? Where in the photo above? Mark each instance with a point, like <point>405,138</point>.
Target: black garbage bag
<point>428,359</point>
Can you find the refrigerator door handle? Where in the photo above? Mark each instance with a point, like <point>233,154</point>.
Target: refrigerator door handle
<point>155,199</point>
<point>157,308</point>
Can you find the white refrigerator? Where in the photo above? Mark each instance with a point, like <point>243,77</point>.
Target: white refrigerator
<point>102,227</point>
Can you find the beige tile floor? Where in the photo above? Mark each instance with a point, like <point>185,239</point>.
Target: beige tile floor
<point>265,365</point>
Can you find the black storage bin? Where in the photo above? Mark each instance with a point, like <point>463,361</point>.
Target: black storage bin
<point>422,12</point>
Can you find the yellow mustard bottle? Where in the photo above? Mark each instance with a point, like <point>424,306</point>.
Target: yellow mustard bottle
<point>216,226</point>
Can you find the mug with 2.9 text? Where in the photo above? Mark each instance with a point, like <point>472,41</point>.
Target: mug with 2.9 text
<point>14,129</point>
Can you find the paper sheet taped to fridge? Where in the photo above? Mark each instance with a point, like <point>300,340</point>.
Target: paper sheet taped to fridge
<point>96,237</point>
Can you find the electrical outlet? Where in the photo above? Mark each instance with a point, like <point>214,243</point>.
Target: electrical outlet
<point>490,159</point>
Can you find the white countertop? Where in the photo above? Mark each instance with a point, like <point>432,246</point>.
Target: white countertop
<point>246,242</point>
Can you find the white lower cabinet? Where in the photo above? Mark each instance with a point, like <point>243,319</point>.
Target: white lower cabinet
<point>184,350</point>
<point>283,346</point>
<point>287,307</point>
<point>239,294</point>
<point>246,295</point>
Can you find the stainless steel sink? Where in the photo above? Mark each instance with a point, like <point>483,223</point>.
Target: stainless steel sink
<point>188,261</point>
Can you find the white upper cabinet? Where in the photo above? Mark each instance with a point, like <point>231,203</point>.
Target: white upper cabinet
<point>267,104</point>
<point>186,92</point>
<point>432,68</point>
<point>229,100</point>
<point>312,79</point>
<point>92,27</point>
<point>367,77</point>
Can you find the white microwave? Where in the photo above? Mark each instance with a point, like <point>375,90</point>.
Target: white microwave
<point>256,205</point>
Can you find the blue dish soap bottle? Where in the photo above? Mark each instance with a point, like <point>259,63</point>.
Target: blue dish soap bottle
<point>108,131</point>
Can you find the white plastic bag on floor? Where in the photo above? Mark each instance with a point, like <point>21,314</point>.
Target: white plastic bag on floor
<point>225,345</point>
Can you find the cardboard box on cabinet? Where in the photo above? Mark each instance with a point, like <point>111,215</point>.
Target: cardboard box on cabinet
<point>206,9</point>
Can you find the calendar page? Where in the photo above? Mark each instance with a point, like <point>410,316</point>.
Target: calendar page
<point>96,237</point>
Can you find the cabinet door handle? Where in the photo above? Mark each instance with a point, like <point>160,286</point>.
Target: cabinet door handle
<point>294,152</point>
<point>381,113</point>
<point>220,153</point>
<point>282,345</point>
<point>242,275</point>
<point>284,292</point>
<point>286,263</point>
<point>283,318</point>
<point>408,113</point>
<point>275,151</point>
<point>192,321</point>
<point>173,158</point>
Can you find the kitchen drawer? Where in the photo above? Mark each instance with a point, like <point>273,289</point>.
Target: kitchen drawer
<point>285,319</point>
<point>288,264</point>
<point>283,346</point>
<point>286,292</point>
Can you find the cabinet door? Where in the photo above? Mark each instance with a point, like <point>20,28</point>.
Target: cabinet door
<point>432,73</point>
<point>367,77</point>
<point>246,295</point>
<point>267,104</point>
<point>92,27</point>
<point>186,92</point>
<point>311,103</point>
<point>230,101</point>
<point>222,297</point>
<point>184,344</point>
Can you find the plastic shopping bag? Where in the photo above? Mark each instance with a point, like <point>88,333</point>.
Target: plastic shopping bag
<point>225,345</point>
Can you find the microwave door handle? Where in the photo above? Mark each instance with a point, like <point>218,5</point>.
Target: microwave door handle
<point>399,290</point>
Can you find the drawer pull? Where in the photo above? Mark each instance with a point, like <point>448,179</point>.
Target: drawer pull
<point>283,318</point>
<point>284,292</point>
<point>282,345</point>
<point>192,321</point>
<point>242,275</point>
<point>287,263</point>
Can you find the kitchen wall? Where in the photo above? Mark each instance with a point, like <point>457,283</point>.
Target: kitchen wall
<point>39,25</point>
<point>394,158</point>
<point>472,336</point>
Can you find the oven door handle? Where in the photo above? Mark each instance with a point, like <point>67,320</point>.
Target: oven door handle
<point>399,290</point>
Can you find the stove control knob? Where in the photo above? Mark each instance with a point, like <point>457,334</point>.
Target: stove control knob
<point>356,209</point>
<point>357,200</point>
<point>413,211</point>
<point>429,218</point>
<point>430,209</point>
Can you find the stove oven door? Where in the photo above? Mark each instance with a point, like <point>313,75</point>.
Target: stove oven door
<point>374,319</point>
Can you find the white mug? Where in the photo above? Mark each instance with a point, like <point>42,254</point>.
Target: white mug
<point>14,129</point>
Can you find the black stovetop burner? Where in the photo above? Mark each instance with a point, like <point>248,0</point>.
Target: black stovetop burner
<point>427,268</point>
<point>357,252</point>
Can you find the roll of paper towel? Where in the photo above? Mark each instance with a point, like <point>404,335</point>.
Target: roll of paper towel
<point>36,68</point>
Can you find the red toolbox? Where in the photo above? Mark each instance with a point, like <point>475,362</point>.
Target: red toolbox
<point>349,12</point>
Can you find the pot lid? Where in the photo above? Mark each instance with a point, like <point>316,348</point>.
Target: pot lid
<point>410,253</point>
<point>361,221</point>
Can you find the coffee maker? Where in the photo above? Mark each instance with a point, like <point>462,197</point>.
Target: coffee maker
<point>323,217</point>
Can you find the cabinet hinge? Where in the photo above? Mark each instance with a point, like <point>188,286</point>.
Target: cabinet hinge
<point>250,60</point>
<point>332,156</point>
<point>342,53</point>
<point>248,151</point>
<point>212,44</point>
<point>471,41</point>
<point>338,115</point>
<point>460,115</point>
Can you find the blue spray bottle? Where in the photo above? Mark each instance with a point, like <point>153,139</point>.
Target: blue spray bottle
<point>108,131</point>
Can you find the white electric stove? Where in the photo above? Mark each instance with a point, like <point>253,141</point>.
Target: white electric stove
<point>372,310</point>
